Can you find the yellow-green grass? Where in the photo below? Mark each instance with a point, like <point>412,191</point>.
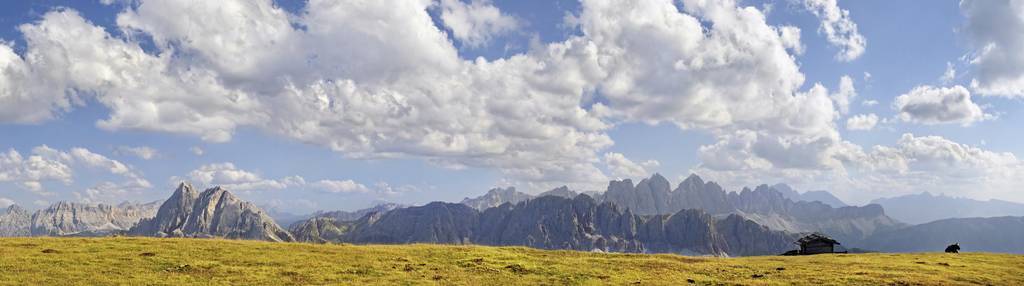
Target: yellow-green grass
<point>149,261</point>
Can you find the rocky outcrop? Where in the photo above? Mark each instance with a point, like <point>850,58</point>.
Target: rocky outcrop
<point>67,219</point>
<point>580,223</point>
<point>15,222</point>
<point>212,213</point>
<point>763,205</point>
<point>496,197</point>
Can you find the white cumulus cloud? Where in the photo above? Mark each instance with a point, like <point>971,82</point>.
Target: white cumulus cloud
<point>839,29</point>
<point>476,22</point>
<point>862,122</point>
<point>143,152</point>
<point>624,168</point>
<point>939,105</point>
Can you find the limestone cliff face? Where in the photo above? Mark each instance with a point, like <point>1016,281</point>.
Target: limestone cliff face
<point>552,222</point>
<point>435,223</point>
<point>764,205</point>
<point>73,219</point>
<point>173,213</point>
<point>320,230</point>
<point>65,218</point>
<point>212,213</point>
<point>15,222</point>
<point>496,197</point>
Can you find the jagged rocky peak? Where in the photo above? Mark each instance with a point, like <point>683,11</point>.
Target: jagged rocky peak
<point>496,197</point>
<point>15,222</point>
<point>562,191</point>
<point>215,212</point>
<point>68,218</point>
<point>692,182</point>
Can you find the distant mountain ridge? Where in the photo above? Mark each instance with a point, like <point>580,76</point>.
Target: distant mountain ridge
<point>554,222</point>
<point>496,197</point>
<point>810,196</point>
<point>74,219</point>
<point>15,222</point>
<point>995,234</point>
<point>764,205</point>
<point>925,207</point>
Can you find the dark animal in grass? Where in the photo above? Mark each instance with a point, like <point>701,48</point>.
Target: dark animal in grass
<point>953,248</point>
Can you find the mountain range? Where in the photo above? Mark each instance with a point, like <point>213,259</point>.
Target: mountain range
<point>810,196</point>
<point>995,234</point>
<point>554,222</point>
<point>926,207</point>
<point>695,217</point>
<point>764,205</point>
<point>73,219</point>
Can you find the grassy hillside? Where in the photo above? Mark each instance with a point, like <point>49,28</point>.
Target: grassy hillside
<point>57,261</point>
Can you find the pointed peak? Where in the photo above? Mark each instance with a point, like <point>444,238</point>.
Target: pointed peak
<point>184,187</point>
<point>693,178</point>
<point>216,189</point>
<point>15,208</point>
<point>658,177</point>
<point>501,190</point>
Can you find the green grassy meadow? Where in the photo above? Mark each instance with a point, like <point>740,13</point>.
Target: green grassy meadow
<point>150,261</point>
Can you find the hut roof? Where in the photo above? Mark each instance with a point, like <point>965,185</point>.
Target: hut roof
<point>816,237</point>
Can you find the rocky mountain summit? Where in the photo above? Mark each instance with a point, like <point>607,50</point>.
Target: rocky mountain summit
<point>764,205</point>
<point>496,197</point>
<point>357,214</point>
<point>554,222</point>
<point>74,219</point>
<point>15,222</point>
<point>212,213</point>
<point>65,218</point>
<point>810,196</point>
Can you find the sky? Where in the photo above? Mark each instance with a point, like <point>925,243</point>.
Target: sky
<point>336,105</point>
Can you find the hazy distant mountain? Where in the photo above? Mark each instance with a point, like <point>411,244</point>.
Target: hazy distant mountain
<point>355,215</point>
<point>284,218</point>
<point>320,230</point>
<point>15,221</point>
<point>325,227</point>
<point>763,205</point>
<point>496,197</point>
<point>74,219</point>
<point>811,196</point>
<point>925,207</point>
<point>554,222</point>
<point>996,234</point>
<point>66,218</point>
<point>212,213</point>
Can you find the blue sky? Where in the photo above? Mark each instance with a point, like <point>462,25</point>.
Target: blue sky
<point>960,148</point>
